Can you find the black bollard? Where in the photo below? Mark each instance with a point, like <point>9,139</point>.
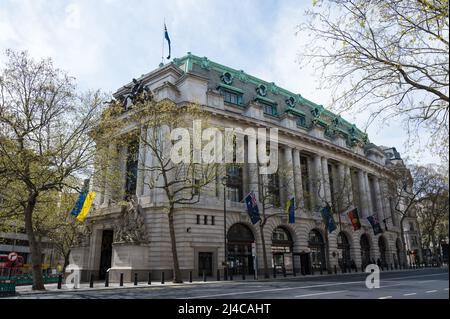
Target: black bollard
<point>149,278</point>
<point>91,281</point>
<point>190,276</point>
<point>284,272</point>
<point>121,279</point>
<point>135,279</point>
<point>225,274</point>
<point>335,269</point>
<point>362,268</point>
<point>231,275</point>
<point>392,267</point>
<point>204,276</point>
<point>162,278</point>
<point>321,270</point>
<point>59,281</point>
<point>218,275</point>
<point>312,270</point>
<point>274,272</point>
<point>107,279</point>
<point>243,274</point>
<point>293,272</point>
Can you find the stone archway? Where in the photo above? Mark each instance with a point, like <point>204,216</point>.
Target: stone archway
<point>282,249</point>
<point>365,250</point>
<point>382,248</point>
<point>343,246</point>
<point>316,245</point>
<point>239,244</point>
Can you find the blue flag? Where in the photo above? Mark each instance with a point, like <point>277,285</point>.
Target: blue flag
<point>79,204</point>
<point>373,220</point>
<point>328,219</point>
<point>252,207</point>
<point>166,36</point>
<point>290,210</point>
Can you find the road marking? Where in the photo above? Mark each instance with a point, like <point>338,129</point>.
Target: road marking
<point>321,293</point>
<point>422,282</point>
<point>430,291</point>
<point>313,286</point>
<point>411,294</point>
<point>385,297</point>
<point>446,289</point>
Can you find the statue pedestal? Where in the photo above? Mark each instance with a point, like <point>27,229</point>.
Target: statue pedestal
<point>79,256</point>
<point>129,258</point>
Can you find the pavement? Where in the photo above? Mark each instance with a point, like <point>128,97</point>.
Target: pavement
<point>428,283</point>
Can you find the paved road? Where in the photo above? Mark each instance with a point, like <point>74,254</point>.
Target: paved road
<point>423,284</point>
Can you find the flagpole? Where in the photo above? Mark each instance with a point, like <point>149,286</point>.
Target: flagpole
<point>162,46</point>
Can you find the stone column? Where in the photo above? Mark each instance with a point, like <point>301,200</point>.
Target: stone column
<point>298,178</point>
<point>342,185</point>
<point>253,168</point>
<point>326,180</point>
<point>369,194</point>
<point>362,194</point>
<point>379,199</point>
<point>348,180</point>
<point>319,191</point>
<point>141,164</point>
<point>109,172</point>
<point>289,174</point>
<point>311,195</point>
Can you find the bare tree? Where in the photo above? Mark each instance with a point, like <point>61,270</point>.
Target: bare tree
<point>43,138</point>
<point>389,57</point>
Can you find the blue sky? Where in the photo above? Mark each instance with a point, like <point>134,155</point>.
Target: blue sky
<point>106,43</point>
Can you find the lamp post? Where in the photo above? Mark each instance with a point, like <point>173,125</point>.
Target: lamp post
<point>225,269</point>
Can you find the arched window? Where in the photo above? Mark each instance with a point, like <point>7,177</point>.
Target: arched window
<point>282,249</point>
<point>317,248</point>
<point>343,246</point>
<point>240,239</point>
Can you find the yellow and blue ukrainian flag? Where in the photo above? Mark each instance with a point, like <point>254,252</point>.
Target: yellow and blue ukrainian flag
<point>290,210</point>
<point>83,205</point>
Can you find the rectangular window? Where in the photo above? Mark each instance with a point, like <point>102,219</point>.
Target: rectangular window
<point>196,188</point>
<point>273,189</point>
<point>233,98</point>
<point>234,183</point>
<point>205,220</point>
<point>270,109</point>
<point>213,220</point>
<point>301,121</point>
<point>198,219</point>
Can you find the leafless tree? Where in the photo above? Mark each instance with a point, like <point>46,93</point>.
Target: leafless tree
<point>389,57</point>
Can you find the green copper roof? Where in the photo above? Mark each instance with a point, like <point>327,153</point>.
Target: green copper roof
<point>353,132</point>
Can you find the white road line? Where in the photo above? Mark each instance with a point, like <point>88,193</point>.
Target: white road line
<point>385,297</point>
<point>430,291</point>
<point>313,286</point>
<point>411,294</point>
<point>321,293</point>
<point>422,282</point>
<point>446,289</point>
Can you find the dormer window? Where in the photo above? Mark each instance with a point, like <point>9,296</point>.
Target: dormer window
<point>301,121</point>
<point>261,90</point>
<point>270,109</point>
<point>232,97</point>
<point>227,78</point>
<point>290,102</point>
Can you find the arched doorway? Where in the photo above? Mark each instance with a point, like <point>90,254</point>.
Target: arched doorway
<point>240,239</point>
<point>365,250</point>
<point>316,245</point>
<point>343,245</point>
<point>383,250</point>
<point>398,246</point>
<point>282,245</point>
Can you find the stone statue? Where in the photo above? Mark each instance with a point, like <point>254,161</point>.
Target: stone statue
<point>137,92</point>
<point>131,226</point>
<point>83,237</point>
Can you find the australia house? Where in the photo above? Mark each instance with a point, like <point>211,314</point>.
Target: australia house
<point>323,158</point>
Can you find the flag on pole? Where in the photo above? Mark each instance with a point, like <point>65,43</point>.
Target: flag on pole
<point>166,36</point>
<point>252,207</point>
<point>373,220</point>
<point>290,210</point>
<point>83,205</point>
<point>328,218</point>
<point>352,214</point>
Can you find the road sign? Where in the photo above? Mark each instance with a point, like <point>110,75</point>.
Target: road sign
<point>12,256</point>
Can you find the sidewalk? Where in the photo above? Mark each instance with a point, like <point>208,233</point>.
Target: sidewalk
<point>100,285</point>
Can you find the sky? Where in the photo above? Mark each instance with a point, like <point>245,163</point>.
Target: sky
<point>106,43</point>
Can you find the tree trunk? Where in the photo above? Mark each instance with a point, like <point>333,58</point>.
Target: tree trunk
<point>66,261</point>
<point>263,242</point>
<point>402,235</point>
<point>176,267</point>
<point>35,249</point>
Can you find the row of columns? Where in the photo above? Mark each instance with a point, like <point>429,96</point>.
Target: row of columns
<point>318,179</point>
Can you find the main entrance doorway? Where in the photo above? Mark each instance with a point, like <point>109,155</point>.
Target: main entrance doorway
<point>205,263</point>
<point>317,246</point>
<point>365,250</point>
<point>105,252</point>
<point>240,239</point>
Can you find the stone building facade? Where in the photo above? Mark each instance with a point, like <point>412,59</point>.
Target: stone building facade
<point>314,145</point>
